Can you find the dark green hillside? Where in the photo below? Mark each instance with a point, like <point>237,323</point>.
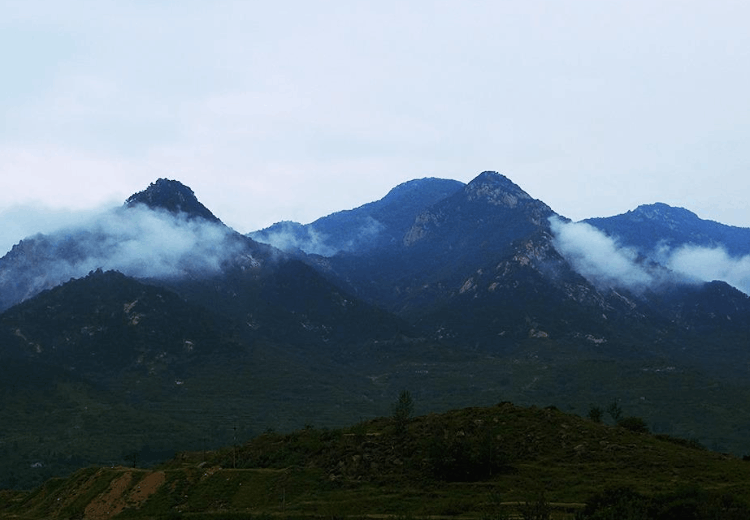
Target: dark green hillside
<point>52,422</point>
<point>469,463</point>
<point>107,324</point>
<point>106,368</point>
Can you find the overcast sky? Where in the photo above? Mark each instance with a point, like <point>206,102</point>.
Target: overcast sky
<point>290,110</point>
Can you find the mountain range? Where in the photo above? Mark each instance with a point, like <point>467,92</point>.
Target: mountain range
<point>157,327</point>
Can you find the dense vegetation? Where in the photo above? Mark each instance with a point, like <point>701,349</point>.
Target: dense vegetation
<point>496,462</point>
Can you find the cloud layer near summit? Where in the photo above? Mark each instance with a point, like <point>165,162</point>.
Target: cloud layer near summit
<point>137,242</point>
<point>292,110</point>
<point>604,262</point>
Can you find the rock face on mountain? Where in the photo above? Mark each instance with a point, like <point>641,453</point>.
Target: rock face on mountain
<point>471,264</point>
<point>490,210</point>
<point>174,197</point>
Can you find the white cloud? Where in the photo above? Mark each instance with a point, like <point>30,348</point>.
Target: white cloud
<point>144,243</point>
<point>287,237</point>
<point>23,221</point>
<point>601,260</point>
<point>138,242</point>
<point>597,257</point>
<point>708,264</point>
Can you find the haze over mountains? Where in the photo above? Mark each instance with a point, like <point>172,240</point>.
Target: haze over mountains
<point>161,328</point>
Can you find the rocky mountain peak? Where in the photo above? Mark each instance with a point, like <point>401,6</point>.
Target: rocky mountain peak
<point>490,202</point>
<point>172,196</point>
<point>665,212</point>
<point>496,189</point>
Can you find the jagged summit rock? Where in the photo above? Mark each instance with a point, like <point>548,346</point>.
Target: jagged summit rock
<point>665,213</point>
<point>172,196</point>
<point>490,207</point>
<point>496,189</point>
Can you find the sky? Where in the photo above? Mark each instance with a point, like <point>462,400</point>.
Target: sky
<point>291,110</point>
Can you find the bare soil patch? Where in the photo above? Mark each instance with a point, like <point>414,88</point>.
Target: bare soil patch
<point>123,495</point>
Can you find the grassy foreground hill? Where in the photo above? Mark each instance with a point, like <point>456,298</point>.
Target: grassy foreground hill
<point>496,462</point>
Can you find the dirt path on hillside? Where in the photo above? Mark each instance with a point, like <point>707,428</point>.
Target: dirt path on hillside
<point>121,495</point>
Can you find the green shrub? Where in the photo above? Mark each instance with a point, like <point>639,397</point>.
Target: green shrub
<point>537,509</point>
<point>460,457</point>
<point>621,503</point>
<point>596,414</point>
<point>690,503</point>
<point>614,411</point>
<point>634,424</point>
<point>402,410</point>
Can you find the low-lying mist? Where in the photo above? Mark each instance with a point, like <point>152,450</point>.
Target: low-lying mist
<point>291,236</point>
<point>19,222</point>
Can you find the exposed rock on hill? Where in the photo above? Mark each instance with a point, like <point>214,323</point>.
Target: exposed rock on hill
<point>172,196</point>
